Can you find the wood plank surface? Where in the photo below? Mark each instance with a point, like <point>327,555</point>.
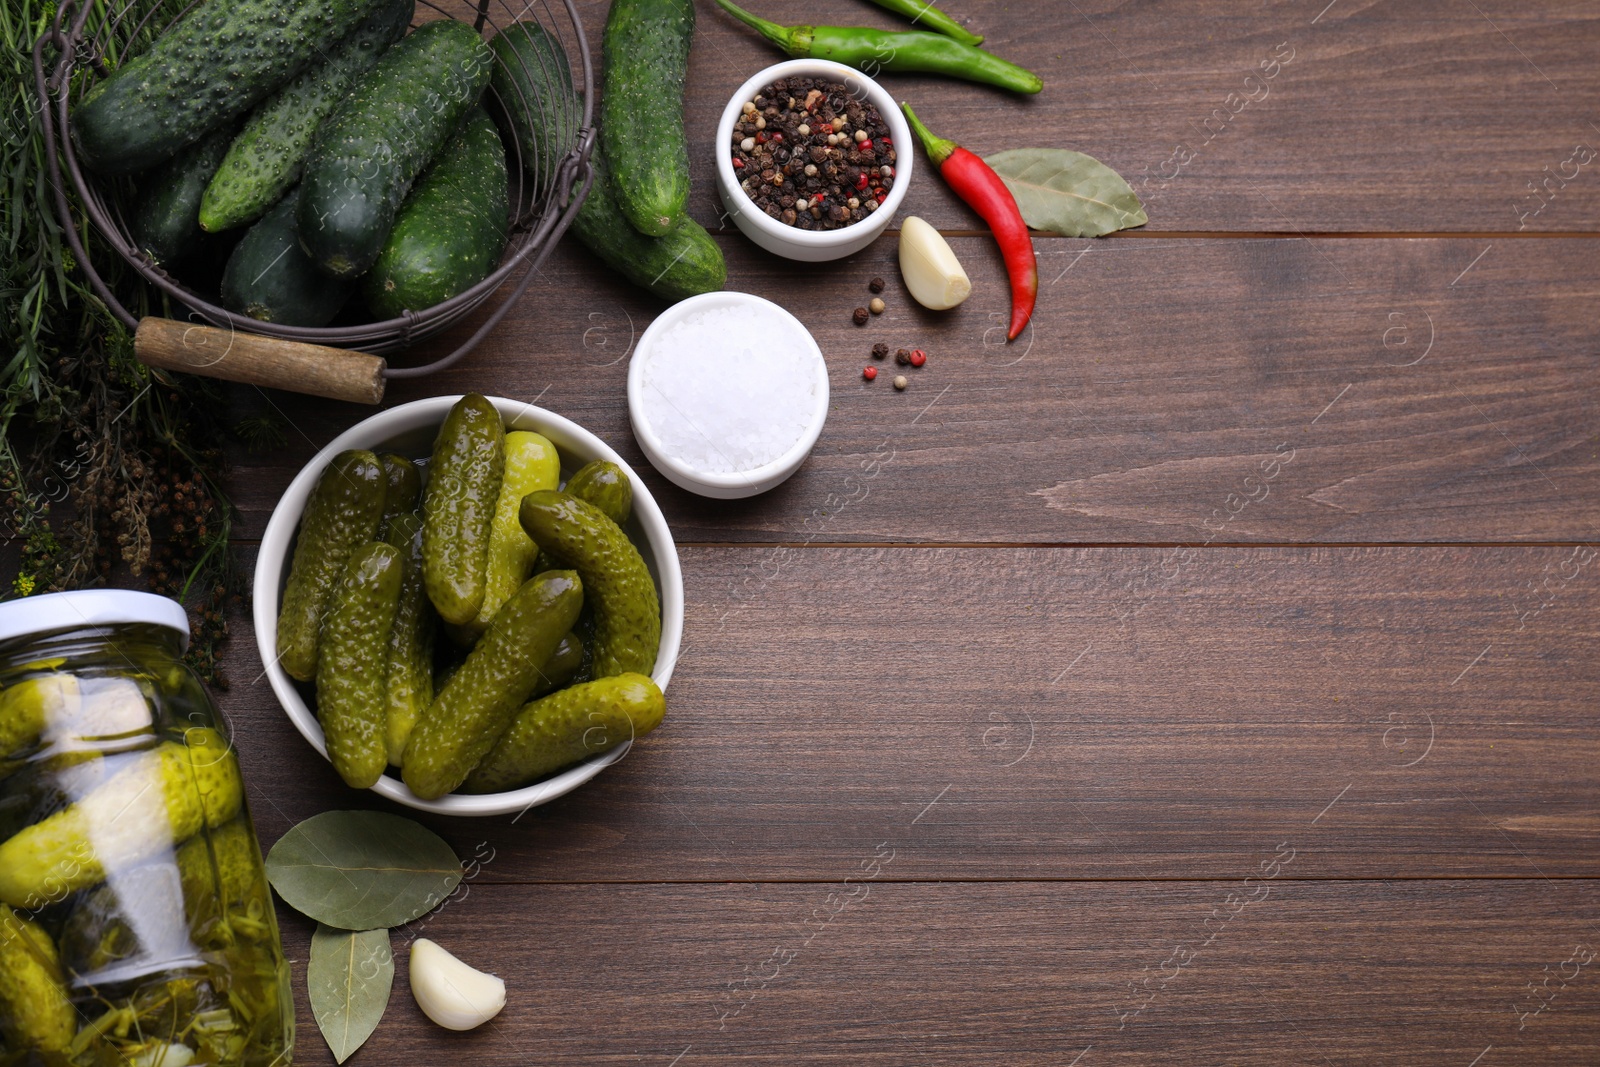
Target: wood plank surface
<point>1076,713</point>
<point>1427,390</point>
<point>1281,971</point>
<point>1430,115</point>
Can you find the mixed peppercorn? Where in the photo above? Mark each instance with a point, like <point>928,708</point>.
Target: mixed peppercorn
<point>812,156</point>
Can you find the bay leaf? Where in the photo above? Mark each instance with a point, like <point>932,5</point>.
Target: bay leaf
<point>1067,192</point>
<point>348,980</point>
<point>361,870</point>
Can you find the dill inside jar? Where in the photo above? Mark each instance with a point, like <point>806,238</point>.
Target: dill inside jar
<point>136,925</point>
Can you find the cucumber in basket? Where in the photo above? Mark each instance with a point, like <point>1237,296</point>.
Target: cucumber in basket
<point>264,160</point>
<point>218,62</point>
<point>270,278</point>
<point>452,229</point>
<point>533,83</point>
<point>164,225</point>
<point>375,144</point>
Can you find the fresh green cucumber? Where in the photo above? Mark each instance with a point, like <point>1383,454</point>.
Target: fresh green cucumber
<point>264,160</point>
<point>369,151</point>
<point>533,83</point>
<point>449,235</point>
<point>684,263</point>
<point>165,223</point>
<point>269,276</point>
<point>218,62</point>
<point>646,48</point>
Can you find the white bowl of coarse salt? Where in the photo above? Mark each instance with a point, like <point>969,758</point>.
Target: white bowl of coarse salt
<point>727,393</point>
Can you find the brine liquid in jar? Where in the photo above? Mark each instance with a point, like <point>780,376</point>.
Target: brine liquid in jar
<point>136,926</point>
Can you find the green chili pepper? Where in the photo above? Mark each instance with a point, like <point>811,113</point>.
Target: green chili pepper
<point>872,50</point>
<point>922,13</point>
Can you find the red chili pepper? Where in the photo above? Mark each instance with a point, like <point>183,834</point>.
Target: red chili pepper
<point>982,189</point>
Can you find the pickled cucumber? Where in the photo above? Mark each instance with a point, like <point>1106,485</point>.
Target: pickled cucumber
<point>566,727</point>
<point>402,488</point>
<point>343,512</point>
<point>410,656</point>
<point>27,707</point>
<point>35,1014</point>
<point>627,611</point>
<point>606,486</point>
<point>352,668</point>
<point>532,464</point>
<point>458,508</point>
<point>479,701</point>
<point>211,895</point>
<point>154,800</point>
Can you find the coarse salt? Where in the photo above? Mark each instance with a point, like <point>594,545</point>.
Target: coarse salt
<point>730,389</point>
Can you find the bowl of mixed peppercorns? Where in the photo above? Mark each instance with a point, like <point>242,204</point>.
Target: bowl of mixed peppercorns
<point>813,159</point>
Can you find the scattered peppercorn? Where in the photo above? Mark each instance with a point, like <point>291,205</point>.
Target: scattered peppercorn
<point>902,356</point>
<point>880,350</point>
<point>869,372</point>
<point>876,285</point>
<point>900,381</point>
<point>918,357</point>
<point>877,306</point>
<point>859,316</point>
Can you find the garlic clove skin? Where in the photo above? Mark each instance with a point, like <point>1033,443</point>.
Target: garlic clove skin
<point>455,996</point>
<point>929,267</point>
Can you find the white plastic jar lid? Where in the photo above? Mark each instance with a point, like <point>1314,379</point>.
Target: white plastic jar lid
<point>90,609</point>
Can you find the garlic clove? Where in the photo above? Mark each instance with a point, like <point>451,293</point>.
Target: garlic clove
<point>930,268</point>
<point>455,996</point>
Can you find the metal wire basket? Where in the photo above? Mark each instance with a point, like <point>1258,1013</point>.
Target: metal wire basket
<point>324,361</point>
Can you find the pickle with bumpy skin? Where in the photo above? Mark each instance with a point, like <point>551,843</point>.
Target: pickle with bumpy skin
<point>606,486</point>
<point>35,1014</point>
<point>458,507</point>
<point>402,489</point>
<point>409,683</point>
<point>352,668</point>
<point>153,800</point>
<point>567,727</point>
<point>532,464</point>
<point>622,595</point>
<point>33,703</point>
<point>343,512</point>
<point>479,701</point>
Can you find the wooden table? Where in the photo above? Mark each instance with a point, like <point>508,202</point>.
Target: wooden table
<point>1207,678</point>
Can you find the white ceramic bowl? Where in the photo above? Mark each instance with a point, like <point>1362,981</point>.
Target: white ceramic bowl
<point>409,430</point>
<point>813,246</point>
<point>720,485</point>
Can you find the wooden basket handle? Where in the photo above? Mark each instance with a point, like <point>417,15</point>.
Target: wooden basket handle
<point>316,370</point>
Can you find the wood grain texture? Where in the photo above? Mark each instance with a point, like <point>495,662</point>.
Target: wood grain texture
<point>1076,713</point>
<point>1424,116</point>
<point>1391,973</point>
<point>1427,390</point>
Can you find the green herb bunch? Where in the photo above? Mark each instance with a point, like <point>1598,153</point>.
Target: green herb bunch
<point>108,469</point>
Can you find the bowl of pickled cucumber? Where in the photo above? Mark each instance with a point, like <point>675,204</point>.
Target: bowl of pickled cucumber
<point>469,604</point>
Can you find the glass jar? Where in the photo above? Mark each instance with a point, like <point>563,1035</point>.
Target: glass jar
<point>136,926</point>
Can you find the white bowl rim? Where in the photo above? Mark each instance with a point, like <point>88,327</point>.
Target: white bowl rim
<point>385,426</point>
<point>781,467</point>
<point>904,151</point>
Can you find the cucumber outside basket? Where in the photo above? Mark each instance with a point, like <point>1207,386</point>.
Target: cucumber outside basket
<point>345,362</point>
